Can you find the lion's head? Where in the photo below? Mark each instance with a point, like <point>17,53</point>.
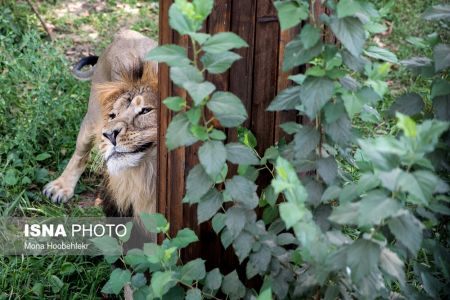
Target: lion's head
<point>130,117</point>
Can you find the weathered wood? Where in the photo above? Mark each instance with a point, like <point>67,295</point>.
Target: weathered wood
<point>255,79</point>
<point>283,82</point>
<point>265,72</point>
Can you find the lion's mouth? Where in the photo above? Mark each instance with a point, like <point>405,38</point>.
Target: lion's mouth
<point>117,154</point>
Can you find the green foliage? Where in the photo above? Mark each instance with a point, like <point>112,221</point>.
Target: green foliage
<point>322,232</point>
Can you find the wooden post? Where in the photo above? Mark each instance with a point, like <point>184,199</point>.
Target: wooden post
<point>255,79</point>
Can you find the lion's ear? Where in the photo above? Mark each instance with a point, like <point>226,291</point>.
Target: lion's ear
<point>150,74</point>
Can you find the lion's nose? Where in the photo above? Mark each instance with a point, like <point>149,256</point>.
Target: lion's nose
<point>112,135</point>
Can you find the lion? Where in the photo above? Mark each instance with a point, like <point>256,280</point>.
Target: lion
<point>122,121</point>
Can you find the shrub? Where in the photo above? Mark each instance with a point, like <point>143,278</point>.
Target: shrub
<point>322,233</point>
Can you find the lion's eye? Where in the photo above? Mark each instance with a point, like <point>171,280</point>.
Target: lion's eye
<point>112,115</point>
<point>145,110</point>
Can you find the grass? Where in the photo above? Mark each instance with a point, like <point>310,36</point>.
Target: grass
<point>41,107</point>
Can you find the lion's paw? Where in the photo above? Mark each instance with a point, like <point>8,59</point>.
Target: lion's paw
<point>58,191</point>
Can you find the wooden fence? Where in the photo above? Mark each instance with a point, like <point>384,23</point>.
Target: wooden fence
<point>255,79</point>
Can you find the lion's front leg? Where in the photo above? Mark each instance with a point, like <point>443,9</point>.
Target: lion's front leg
<point>62,189</point>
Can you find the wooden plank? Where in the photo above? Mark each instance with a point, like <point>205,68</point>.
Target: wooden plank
<point>243,21</point>
<point>165,37</point>
<point>176,167</point>
<point>283,82</point>
<point>265,73</point>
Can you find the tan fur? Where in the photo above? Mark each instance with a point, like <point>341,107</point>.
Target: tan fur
<point>116,89</point>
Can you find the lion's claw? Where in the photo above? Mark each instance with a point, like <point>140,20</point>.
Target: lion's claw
<point>57,191</point>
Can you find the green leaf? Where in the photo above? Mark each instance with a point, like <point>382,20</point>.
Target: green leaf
<point>209,205</point>
<point>240,154</point>
<point>107,245</point>
<point>199,91</point>
<point>440,87</point>
<point>381,54</point>
<point>409,104</point>
<point>173,55</point>
<point>232,286</point>
<point>138,280</point>
<point>347,8</point>
<point>56,283</point>
<point>441,56</point>
<point>137,260</point>
<point>243,191</point>
<point>291,213</point>
<point>212,156</point>
<point>213,280</point>
<point>193,115</point>
<point>199,37</point>
<point>355,63</point>
<point>306,140</point>
<point>287,99</point>
<point>392,264</point>
<point>340,131</point>
<point>407,125</point>
<point>175,103</point>
<point>408,230</point>
<point>350,31</point>
<point>193,270</point>
<point>184,74</point>
<point>327,169</point>
<point>296,54</point>
<point>309,36</point>
<point>193,294</point>
<point>184,238</point>
<point>437,12</point>
<point>42,156</point>
<point>154,253</point>
<point>178,133</point>
<point>203,8</point>
<point>174,293</point>
<point>228,109</point>
<point>154,222</point>
<point>246,137</point>
<point>216,63</point>
<point>316,71</point>
<point>179,21</point>
<point>315,93</point>
<point>218,222</point>
<point>331,193</point>
<point>117,281</point>
<point>345,213</point>
<point>258,262</point>
<point>10,177</point>
<point>441,107</point>
<point>291,13</point>
<point>67,268</point>
<point>235,220</point>
<point>162,282</point>
<point>375,207</point>
<point>198,183</point>
<point>199,132</point>
<point>243,245</point>
<point>353,104</point>
<point>38,289</point>
<point>222,42</point>
<point>371,253</point>
<point>298,78</point>
<point>217,135</point>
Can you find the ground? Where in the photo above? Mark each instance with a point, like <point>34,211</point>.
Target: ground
<point>41,107</point>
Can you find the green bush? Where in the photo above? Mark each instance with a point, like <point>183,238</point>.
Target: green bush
<point>324,234</point>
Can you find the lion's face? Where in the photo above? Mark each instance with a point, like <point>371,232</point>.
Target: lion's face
<point>130,129</point>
